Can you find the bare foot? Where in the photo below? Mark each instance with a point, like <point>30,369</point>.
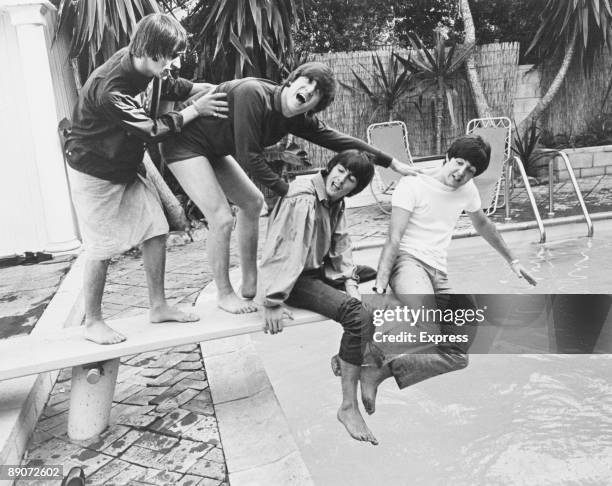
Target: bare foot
<point>336,366</point>
<point>100,332</point>
<point>371,377</point>
<point>355,425</point>
<point>166,313</point>
<point>235,305</point>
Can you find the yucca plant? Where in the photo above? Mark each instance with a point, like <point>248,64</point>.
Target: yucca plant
<point>391,85</point>
<point>98,28</point>
<point>437,73</point>
<point>571,27</point>
<point>238,38</point>
<point>524,147</point>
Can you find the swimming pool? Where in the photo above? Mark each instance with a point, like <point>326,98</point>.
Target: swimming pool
<point>505,420</point>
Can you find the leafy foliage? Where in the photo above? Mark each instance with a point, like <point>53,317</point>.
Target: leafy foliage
<point>590,19</point>
<point>391,84</point>
<point>238,38</point>
<point>525,147</point>
<point>343,25</point>
<point>98,28</point>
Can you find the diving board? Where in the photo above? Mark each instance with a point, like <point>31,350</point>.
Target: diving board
<point>91,400</point>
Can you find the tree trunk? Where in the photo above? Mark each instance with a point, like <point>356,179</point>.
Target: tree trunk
<point>554,86</point>
<point>439,115</point>
<point>482,106</point>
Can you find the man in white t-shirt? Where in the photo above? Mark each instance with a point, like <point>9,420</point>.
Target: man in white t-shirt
<point>413,261</point>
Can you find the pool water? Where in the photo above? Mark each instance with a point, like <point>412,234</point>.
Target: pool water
<point>528,420</point>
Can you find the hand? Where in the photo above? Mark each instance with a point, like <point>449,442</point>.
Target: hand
<point>273,318</point>
<point>403,169</point>
<point>212,104</point>
<point>521,272</point>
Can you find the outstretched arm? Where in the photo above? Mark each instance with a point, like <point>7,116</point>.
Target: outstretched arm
<point>488,231</point>
<point>399,221</point>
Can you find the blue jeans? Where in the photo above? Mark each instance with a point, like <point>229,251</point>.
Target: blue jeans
<point>314,292</point>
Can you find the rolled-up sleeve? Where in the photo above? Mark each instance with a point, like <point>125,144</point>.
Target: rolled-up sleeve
<point>339,264</point>
<point>286,249</point>
<point>316,131</point>
<point>127,112</point>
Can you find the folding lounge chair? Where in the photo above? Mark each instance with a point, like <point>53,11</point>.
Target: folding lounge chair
<point>391,137</point>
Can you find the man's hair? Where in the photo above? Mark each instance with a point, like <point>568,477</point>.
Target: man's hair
<point>357,163</point>
<point>323,75</point>
<point>473,149</point>
<point>158,36</point>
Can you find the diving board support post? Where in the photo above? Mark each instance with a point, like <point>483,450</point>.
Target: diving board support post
<point>570,170</point>
<point>90,403</point>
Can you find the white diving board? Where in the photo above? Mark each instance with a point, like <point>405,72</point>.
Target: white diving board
<point>29,355</point>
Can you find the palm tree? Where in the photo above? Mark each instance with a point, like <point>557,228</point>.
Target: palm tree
<point>482,106</point>
<point>437,73</point>
<point>572,27</point>
<point>98,28</point>
<point>238,38</point>
<point>390,85</point>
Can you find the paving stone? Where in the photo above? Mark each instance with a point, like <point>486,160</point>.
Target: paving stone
<point>108,471</point>
<point>110,435</point>
<point>201,407</point>
<point>128,476</point>
<point>53,422</point>
<point>189,365</point>
<point>121,444</point>
<point>184,455</point>
<point>175,402</point>
<point>167,378</point>
<point>162,478</point>
<point>54,451</point>
<point>216,454</point>
<point>211,482</point>
<point>144,457</point>
<point>190,480</point>
<point>38,438</point>
<point>134,415</point>
<point>197,375</point>
<point>156,442</point>
<point>145,395</point>
<point>166,421</point>
<point>254,431</point>
<point>210,469</point>
<point>242,374</point>
<point>179,427</point>
<point>143,359</point>
<point>167,360</point>
<point>151,372</point>
<point>204,430</point>
<point>185,348</point>
<point>51,411</point>
<point>289,471</point>
<point>89,460</point>
<point>58,396</point>
<point>125,390</point>
<point>186,383</point>
<point>126,372</point>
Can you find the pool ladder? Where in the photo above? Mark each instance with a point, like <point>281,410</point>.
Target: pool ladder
<point>551,208</point>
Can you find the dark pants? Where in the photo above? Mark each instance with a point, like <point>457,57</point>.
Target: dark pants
<point>314,292</point>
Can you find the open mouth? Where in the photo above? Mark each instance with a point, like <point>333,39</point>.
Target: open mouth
<point>301,98</point>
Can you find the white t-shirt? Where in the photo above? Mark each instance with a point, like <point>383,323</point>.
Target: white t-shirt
<point>435,209</point>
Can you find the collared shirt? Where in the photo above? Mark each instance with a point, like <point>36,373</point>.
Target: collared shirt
<point>305,232</point>
<point>110,128</point>
<point>256,121</point>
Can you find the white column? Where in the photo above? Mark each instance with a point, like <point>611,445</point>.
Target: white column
<point>28,20</point>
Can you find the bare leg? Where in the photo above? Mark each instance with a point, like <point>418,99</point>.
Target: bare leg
<point>242,192</point>
<point>199,181</point>
<point>348,413</point>
<point>371,378</point>
<point>96,329</point>
<point>154,258</point>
